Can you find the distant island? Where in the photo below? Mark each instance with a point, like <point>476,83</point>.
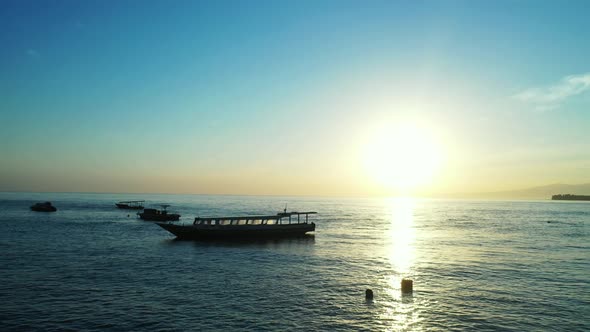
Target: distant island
<point>569,197</point>
<point>540,192</point>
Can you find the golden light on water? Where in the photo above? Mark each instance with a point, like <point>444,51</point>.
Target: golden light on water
<point>401,312</point>
<point>402,236</point>
<point>402,157</point>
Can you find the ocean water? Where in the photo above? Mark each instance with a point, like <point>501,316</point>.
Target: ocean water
<point>476,265</point>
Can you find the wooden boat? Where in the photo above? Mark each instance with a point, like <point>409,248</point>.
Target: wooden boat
<point>43,207</point>
<point>130,205</point>
<point>284,224</point>
<point>158,215</point>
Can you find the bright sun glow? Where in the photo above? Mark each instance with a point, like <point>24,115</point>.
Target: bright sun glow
<point>402,157</point>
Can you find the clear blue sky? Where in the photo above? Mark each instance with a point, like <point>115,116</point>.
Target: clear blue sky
<point>276,97</point>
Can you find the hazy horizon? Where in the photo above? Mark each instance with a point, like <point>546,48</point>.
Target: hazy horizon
<point>535,193</point>
<point>334,98</point>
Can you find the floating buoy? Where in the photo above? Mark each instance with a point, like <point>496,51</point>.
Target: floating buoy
<point>407,285</point>
<point>369,294</point>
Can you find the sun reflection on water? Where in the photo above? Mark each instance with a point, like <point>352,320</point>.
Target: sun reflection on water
<point>401,313</point>
<point>402,235</point>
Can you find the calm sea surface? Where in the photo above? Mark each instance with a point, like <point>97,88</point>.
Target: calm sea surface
<point>476,265</point>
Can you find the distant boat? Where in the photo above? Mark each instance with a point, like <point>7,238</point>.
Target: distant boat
<point>158,215</point>
<point>130,205</point>
<point>284,224</point>
<point>43,207</point>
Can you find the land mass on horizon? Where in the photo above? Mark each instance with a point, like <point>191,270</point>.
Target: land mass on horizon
<point>538,192</point>
<point>569,197</point>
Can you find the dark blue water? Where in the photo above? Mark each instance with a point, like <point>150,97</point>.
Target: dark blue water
<point>476,265</point>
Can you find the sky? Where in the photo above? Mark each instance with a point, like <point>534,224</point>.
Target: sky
<point>293,97</point>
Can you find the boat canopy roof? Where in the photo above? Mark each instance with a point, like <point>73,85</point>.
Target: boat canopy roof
<point>263,217</point>
<point>132,201</point>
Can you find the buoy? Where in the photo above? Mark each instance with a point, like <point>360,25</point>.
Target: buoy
<point>369,294</point>
<point>407,285</point>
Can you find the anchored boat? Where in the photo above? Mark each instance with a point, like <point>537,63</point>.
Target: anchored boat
<point>130,205</point>
<point>158,215</point>
<point>284,224</point>
<point>43,207</point>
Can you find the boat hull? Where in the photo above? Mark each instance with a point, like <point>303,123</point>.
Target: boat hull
<point>159,217</point>
<point>129,207</point>
<point>43,209</point>
<point>237,231</point>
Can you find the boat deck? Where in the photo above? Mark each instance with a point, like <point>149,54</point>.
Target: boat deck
<point>279,218</point>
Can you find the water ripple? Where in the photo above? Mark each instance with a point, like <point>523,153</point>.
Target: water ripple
<point>489,266</point>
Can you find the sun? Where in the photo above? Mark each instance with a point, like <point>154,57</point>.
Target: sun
<point>403,157</point>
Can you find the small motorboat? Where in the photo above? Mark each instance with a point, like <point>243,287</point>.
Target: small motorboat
<point>130,205</point>
<point>43,207</point>
<point>158,215</point>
